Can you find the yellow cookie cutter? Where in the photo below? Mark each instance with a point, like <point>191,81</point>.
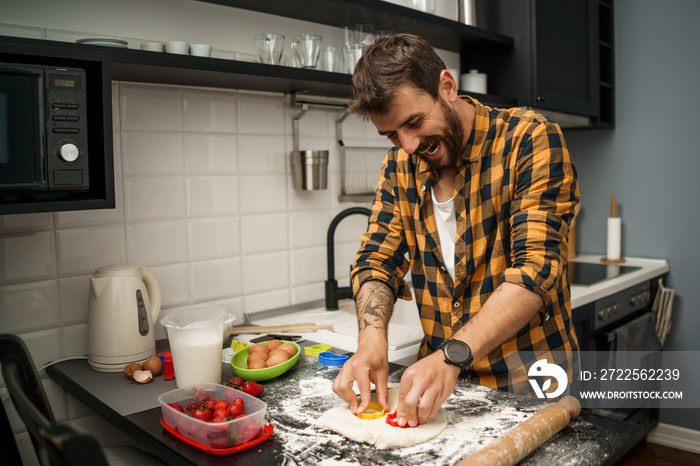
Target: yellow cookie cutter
<point>369,416</point>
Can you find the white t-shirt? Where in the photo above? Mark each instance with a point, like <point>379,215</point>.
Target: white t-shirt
<point>447,230</point>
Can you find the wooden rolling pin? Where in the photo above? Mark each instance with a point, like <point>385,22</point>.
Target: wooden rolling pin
<point>521,440</point>
<point>279,328</point>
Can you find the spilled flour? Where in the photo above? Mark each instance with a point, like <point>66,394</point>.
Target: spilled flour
<point>475,416</point>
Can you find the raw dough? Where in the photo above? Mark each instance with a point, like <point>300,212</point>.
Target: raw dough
<point>376,431</point>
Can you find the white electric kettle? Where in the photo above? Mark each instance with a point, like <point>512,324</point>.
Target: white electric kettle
<point>123,306</point>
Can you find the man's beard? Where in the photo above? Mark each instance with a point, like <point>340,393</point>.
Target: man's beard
<point>452,137</point>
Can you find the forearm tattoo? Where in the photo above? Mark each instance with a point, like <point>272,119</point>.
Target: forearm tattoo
<point>374,304</point>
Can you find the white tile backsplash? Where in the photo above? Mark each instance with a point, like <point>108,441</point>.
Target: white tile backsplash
<point>74,299</point>
<point>27,256</point>
<point>210,238</point>
<point>154,243</point>
<point>44,345</point>
<point>264,233</point>
<point>308,228</point>
<point>82,250</point>
<point>75,340</point>
<point>304,268</point>
<point>262,114</point>
<point>268,300</point>
<point>212,196</point>
<point>152,153</point>
<point>173,283</point>
<point>215,279</point>
<point>29,306</point>
<point>263,193</point>
<point>211,154</point>
<point>150,199</point>
<point>263,154</point>
<point>210,110</point>
<point>25,222</point>
<point>263,272</point>
<point>151,107</point>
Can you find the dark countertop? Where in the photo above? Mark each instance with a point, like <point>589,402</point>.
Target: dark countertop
<point>476,416</point>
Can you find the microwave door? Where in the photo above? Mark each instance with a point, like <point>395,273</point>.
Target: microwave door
<point>22,157</point>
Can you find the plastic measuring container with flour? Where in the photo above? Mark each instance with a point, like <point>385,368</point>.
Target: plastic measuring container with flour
<point>196,336</point>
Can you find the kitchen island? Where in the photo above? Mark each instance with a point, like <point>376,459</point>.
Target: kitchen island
<point>476,415</point>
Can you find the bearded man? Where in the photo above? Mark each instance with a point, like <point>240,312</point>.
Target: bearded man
<point>476,202</point>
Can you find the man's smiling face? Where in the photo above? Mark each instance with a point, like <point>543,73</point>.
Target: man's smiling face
<point>418,124</point>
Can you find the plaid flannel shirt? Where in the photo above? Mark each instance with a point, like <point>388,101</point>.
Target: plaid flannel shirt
<point>515,195</point>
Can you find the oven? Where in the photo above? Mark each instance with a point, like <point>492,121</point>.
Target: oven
<point>600,323</point>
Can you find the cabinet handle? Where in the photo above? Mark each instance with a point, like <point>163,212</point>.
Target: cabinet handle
<point>540,98</point>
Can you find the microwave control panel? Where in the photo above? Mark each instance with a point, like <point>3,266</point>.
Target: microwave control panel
<point>66,129</point>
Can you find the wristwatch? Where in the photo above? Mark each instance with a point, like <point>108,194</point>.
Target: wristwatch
<point>457,353</point>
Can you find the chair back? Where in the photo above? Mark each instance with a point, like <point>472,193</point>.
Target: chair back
<point>54,444</point>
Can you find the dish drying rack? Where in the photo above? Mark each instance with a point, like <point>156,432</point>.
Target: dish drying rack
<point>359,165</point>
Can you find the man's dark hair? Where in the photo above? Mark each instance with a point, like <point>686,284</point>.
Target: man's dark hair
<point>389,63</point>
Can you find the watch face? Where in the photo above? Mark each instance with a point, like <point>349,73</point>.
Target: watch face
<point>458,352</point>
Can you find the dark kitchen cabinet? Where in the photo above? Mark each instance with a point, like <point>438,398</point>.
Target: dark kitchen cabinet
<point>562,60</point>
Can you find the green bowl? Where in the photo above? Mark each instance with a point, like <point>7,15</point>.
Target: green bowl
<point>240,366</point>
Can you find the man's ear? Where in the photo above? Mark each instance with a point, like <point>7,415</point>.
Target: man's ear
<point>448,87</point>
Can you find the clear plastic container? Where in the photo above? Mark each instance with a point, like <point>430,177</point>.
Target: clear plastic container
<point>209,434</point>
<point>196,340</point>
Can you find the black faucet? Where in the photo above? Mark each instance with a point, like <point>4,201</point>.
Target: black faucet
<point>333,293</point>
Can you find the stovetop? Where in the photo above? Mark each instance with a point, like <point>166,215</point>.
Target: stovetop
<point>586,273</point>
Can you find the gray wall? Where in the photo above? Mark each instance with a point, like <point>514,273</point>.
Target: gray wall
<point>651,160</point>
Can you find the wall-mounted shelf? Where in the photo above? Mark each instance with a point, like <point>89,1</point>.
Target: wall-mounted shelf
<point>441,32</point>
<point>164,68</point>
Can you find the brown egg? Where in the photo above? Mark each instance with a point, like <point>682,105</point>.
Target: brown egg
<point>257,364</point>
<point>273,344</point>
<point>260,356</point>
<point>289,348</point>
<point>258,347</point>
<point>154,364</point>
<point>277,352</point>
<point>278,358</point>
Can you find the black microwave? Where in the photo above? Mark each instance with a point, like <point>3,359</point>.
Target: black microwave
<point>55,128</point>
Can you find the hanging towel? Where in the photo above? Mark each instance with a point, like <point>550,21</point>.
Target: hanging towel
<point>636,335</point>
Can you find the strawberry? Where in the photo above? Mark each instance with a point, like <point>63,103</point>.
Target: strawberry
<point>236,408</point>
<point>202,396</point>
<point>234,382</point>
<point>176,407</point>
<point>221,412</point>
<point>209,404</point>
<point>221,404</point>
<point>252,388</point>
<point>203,414</point>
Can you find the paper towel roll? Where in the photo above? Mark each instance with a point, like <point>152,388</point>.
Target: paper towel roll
<point>614,237</point>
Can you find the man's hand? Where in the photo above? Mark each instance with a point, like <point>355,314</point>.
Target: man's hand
<point>425,385</point>
<point>369,364</point>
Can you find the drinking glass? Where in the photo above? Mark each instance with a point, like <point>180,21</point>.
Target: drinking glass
<point>332,59</point>
<point>307,49</point>
<point>270,48</point>
<point>352,53</point>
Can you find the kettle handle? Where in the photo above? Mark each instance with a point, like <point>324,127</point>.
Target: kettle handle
<point>153,291</point>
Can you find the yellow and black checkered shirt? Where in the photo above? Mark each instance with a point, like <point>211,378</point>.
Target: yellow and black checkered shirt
<point>515,195</point>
